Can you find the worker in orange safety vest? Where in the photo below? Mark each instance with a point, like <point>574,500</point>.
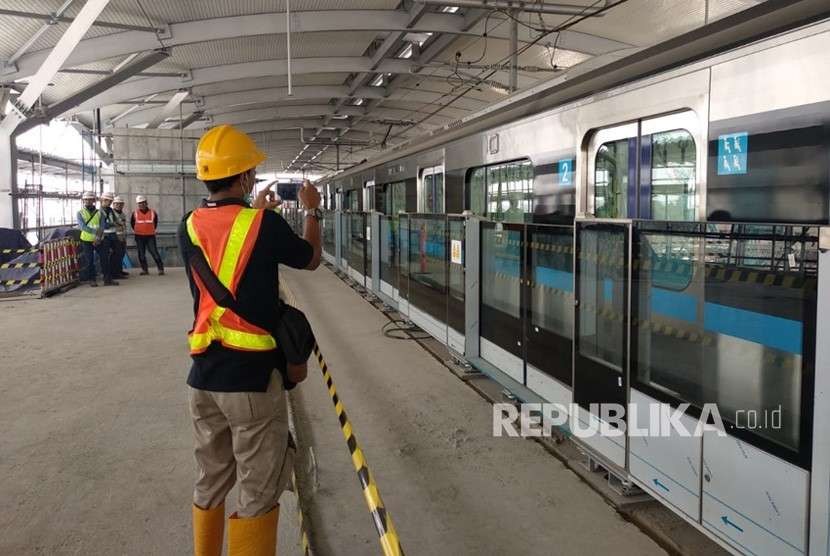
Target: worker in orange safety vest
<point>144,222</point>
<point>237,400</point>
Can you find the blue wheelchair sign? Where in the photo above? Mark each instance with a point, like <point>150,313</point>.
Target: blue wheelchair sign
<point>732,153</point>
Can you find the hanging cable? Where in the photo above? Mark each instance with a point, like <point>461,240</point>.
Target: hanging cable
<point>558,29</point>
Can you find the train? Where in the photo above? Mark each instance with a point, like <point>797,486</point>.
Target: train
<point>661,239</point>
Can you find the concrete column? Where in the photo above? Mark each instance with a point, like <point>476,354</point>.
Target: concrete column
<point>8,181</point>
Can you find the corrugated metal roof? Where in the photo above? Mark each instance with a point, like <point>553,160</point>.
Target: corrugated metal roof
<point>636,23</point>
<point>271,47</point>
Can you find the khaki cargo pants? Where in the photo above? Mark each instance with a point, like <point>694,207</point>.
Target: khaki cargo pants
<point>242,437</point>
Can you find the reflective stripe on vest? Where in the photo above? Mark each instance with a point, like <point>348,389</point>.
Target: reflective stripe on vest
<point>214,323</point>
<point>144,223</point>
<point>93,224</point>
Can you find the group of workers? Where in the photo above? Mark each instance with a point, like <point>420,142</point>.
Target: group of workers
<point>104,233</point>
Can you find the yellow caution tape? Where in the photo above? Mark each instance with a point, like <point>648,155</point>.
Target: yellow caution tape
<point>19,282</point>
<point>389,541</point>
<point>19,265</point>
<point>306,546</point>
<point>387,534</point>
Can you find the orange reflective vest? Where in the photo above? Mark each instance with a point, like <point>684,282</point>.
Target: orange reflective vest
<point>144,223</point>
<point>226,235</point>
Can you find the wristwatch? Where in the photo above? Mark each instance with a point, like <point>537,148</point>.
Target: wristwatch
<point>316,213</point>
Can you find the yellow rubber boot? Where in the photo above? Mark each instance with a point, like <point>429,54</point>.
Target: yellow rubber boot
<point>208,530</point>
<point>253,536</point>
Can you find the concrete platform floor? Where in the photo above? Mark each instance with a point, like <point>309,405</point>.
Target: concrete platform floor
<point>450,486</point>
<point>96,446</point>
<point>95,454</point>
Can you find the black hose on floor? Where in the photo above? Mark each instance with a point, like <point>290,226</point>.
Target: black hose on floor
<point>406,329</point>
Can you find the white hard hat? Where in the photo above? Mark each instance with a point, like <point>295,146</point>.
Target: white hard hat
<point>107,195</point>
<point>88,195</point>
<point>118,199</point>
<point>141,199</point>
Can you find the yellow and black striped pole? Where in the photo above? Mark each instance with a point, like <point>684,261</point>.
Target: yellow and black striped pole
<point>389,540</point>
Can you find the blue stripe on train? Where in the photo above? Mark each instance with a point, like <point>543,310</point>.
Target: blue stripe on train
<point>676,305</point>
<point>557,279</point>
<point>776,332</point>
<point>769,330</point>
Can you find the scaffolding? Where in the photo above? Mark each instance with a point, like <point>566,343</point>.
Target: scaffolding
<point>49,189</point>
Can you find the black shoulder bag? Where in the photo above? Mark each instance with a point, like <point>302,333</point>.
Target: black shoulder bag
<point>292,332</point>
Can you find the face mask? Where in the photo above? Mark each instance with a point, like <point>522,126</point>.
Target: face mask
<point>248,193</point>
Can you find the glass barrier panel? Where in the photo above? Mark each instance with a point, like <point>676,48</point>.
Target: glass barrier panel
<point>455,284</point>
<point>501,266</point>
<point>403,260</point>
<point>428,264</point>
<point>345,237</point>
<point>551,300</point>
<point>389,250</point>
<point>328,232</point>
<point>602,283</point>
<point>726,314</point>
<point>357,242</point>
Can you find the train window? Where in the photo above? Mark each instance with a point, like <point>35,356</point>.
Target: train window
<point>611,179</point>
<point>503,192</point>
<point>394,198</point>
<point>783,174</point>
<point>369,195</point>
<point>646,169</point>
<point>352,200</point>
<point>477,184</point>
<point>673,163</point>
<point>431,190</point>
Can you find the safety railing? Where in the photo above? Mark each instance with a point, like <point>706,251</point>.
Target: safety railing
<point>59,264</point>
<point>52,265</point>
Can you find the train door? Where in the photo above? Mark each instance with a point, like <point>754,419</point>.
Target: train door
<point>645,169</point>
<point>431,190</point>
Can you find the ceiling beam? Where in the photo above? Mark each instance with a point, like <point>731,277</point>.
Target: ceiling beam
<point>229,72</point>
<point>247,100</point>
<point>122,44</point>
<point>8,65</point>
<point>519,6</point>
<point>52,63</point>
<point>277,113</point>
<point>168,109</point>
<point>90,92</point>
<point>55,18</point>
<point>188,120</point>
<point>438,44</point>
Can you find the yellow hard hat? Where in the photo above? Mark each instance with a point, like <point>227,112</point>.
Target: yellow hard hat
<point>224,151</point>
